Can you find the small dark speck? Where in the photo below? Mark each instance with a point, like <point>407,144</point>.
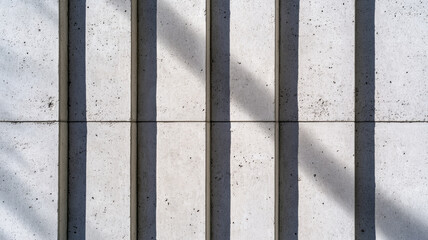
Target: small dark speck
<point>315,175</point>
<point>362,230</point>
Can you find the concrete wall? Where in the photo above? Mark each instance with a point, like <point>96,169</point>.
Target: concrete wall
<point>238,119</point>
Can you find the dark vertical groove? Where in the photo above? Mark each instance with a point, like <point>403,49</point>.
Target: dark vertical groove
<point>63,117</point>
<point>77,111</point>
<point>277,117</point>
<point>134,125</point>
<point>147,131</point>
<point>289,132</point>
<point>208,121</point>
<point>365,111</point>
<point>220,111</point>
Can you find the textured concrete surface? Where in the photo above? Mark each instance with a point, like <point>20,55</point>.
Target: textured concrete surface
<point>100,60</point>
<point>401,35</point>
<point>252,181</point>
<point>29,180</point>
<point>252,60</point>
<point>323,33</point>
<point>29,60</point>
<point>180,92</point>
<point>180,181</point>
<point>317,181</point>
<point>99,182</point>
<point>401,180</point>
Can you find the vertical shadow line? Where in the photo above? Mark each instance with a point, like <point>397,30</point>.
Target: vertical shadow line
<point>277,117</point>
<point>365,120</point>
<point>147,131</point>
<point>208,120</point>
<point>220,115</point>
<point>77,132</point>
<point>63,118</point>
<point>133,118</point>
<point>288,109</point>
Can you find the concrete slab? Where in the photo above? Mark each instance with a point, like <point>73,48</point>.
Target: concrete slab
<point>29,50</point>
<point>323,32</point>
<point>100,60</point>
<point>180,48</point>
<point>401,35</point>
<point>252,179</point>
<point>401,164</point>
<point>252,60</point>
<point>317,181</point>
<point>29,180</point>
<point>99,181</point>
<point>180,180</point>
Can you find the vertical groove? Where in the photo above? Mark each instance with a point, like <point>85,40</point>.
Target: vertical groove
<point>277,88</point>
<point>134,125</point>
<point>63,118</point>
<point>208,120</point>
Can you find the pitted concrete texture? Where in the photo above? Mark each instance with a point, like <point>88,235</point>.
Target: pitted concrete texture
<point>99,193</point>
<point>252,180</point>
<point>401,36</point>
<point>181,52</point>
<point>29,46</point>
<point>29,180</point>
<point>252,60</point>
<point>318,203</point>
<point>100,60</point>
<point>323,86</point>
<point>401,181</point>
<point>180,181</point>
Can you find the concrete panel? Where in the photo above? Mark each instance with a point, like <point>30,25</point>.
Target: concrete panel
<point>100,60</point>
<point>29,180</point>
<point>180,89</point>
<point>99,181</point>
<point>317,181</point>
<point>401,181</point>
<point>29,50</point>
<point>252,60</point>
<point>323,33</point>
<point>180,180</point>
<point>252,180</point>
<point>401,35</point>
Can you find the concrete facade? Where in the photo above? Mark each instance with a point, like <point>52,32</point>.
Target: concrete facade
<point>181,120</point>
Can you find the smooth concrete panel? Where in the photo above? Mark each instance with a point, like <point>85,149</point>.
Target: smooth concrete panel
<point>99,181</point>
<point>401,166</point>
<point>180,181</point>
<point>323,88</point>
<point>29,50</point>
<point>252,60</point>
<point>29,180</point>
<point>401,63</point>
<point>318,203</point>
<point>181,52</point>
<point>252,180</point>
<point>100,60</point>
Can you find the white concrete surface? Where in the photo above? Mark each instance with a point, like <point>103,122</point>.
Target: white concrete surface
<point>401,35</point>
<point>105,78</point>
<point>29,60</point>
<point>180,92</point>
<point>100,173</point>
<point>325,167</point>
<point>401,181</point>
<point>252,60</point>
<point>180,181</point>
<point>252,180</point>
<point>28,180</point>
<point>325,62</point>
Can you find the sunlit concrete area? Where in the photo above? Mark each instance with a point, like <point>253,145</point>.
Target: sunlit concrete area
<point>213,119</point>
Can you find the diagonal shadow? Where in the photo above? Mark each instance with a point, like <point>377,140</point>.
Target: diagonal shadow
<point>390,231</point>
